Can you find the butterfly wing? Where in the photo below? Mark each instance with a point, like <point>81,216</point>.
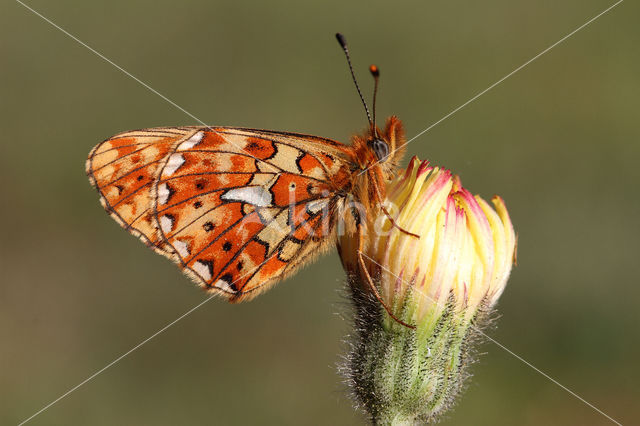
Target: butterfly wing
<point>237,209</point>
<point>123,169</point>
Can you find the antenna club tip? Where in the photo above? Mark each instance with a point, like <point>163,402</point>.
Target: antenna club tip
<point>374,70</point>
<point>341,40</point>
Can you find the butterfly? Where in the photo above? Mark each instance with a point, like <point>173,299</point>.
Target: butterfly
<point>240,209</point>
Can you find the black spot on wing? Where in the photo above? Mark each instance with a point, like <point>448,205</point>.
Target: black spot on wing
<point>295,240</point>
<point>228,278</point>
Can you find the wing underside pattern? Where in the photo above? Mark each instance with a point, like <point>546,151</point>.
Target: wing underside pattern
<point>237,209</point>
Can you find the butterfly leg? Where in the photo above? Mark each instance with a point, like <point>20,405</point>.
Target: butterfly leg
<point>376,191</point>
<point>370,281</point>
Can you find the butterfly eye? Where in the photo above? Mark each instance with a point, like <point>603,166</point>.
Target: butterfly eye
<point>380,148</point>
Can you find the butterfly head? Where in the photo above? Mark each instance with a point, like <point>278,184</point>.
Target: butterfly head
<point>383,147</point>
<point>379,147</point>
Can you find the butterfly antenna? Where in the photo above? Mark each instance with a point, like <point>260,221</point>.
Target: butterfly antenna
<point>345,49</point>
<point>375,72</point>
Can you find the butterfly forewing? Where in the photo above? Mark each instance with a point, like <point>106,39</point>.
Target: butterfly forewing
<point>237,209</point>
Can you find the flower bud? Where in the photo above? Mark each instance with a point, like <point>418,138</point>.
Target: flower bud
<point>445,283</point>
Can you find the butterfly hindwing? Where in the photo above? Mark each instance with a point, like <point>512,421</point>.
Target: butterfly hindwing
<point>242,209</point>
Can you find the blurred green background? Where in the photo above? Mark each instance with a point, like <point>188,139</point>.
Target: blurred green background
<point>559,141</point>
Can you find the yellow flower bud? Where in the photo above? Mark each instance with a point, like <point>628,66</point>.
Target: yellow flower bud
<point>445,282</point>
<point>465,250</point>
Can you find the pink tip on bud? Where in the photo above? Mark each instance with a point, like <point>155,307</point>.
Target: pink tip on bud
<point>457,184</point>
<point>471,202</point>
<point>412,164</point>
<point>423,168</point>
<point>497,200</point>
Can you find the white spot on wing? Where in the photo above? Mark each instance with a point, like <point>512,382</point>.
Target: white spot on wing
<point>163,194</point>
<point>315,206</point>
<point>192,141</point>
<point>224,285</point>
<point>166,224</point>
<point>202,270</point>
<point>174,163</point>
<point>256,195</point>
<point>182,248</point>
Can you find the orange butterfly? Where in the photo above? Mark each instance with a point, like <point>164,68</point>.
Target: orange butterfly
<point>240,209</point>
